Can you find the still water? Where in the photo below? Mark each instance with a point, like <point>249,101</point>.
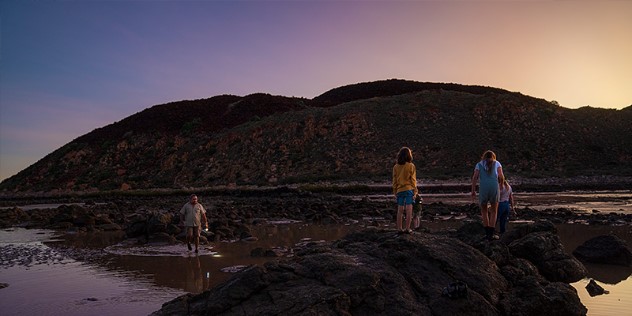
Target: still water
<point>137,280</point>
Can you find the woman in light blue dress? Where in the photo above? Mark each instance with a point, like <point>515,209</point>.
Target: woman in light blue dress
<point>486,174</point>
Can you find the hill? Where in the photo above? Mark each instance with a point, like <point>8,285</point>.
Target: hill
<point>350,133</point>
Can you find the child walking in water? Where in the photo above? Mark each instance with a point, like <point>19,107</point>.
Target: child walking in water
<point>505,204</point>
<point>404,187</point>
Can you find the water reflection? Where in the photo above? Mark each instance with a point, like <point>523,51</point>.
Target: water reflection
<point>175,267</point>
<point>194,280</point>
<point>607,273</point>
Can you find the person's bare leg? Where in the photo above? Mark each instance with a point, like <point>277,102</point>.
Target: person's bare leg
<point>400,213</point>
<point>189,237</point>
<point>493,213</point>
<point>485,215</point>
<point>409,216</point>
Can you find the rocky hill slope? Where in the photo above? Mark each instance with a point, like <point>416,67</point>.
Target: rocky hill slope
<point>350,133</point>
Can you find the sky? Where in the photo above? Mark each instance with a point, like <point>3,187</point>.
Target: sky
<point>69,67</point>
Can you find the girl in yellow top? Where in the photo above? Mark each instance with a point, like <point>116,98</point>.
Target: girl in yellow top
<point>404,187</point>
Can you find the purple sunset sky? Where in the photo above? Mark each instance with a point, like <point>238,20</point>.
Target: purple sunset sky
<point>68,67</point>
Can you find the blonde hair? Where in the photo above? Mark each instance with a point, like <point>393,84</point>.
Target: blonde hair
<point>503,181</point>
<point>489,157</point>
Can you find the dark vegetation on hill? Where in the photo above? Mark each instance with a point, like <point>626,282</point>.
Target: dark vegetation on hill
<point>367,90</point>
<point>350,133</point>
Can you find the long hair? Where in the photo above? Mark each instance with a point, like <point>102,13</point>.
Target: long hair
<point>405,155</point>
<point>489,158</point>
<point>503,182</point>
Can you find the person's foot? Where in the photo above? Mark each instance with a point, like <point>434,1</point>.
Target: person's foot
<point>189,246</point>
<point>408,231</point>
<point>196,251</point>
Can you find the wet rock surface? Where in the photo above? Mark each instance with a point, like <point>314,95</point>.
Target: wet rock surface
<point>379,272</point>
<point>607,249</point>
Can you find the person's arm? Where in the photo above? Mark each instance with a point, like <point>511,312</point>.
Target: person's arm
<point>394,182</point>
<point>204,219</point>
<point>474,181</point>
<point>182,215</point>
<point>499,170</point>
<point>415,181</point>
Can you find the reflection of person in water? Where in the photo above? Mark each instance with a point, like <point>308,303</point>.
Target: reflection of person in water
<point>194,282</point>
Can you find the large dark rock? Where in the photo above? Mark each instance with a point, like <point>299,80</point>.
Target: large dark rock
<point>382,273</point>
<point>594,289</point>
<point>78,215</point>
<point>530,297</point>
<point>13,216</point>
<point>608,249</point>
<point>545,251</point>
<point>520,230</point>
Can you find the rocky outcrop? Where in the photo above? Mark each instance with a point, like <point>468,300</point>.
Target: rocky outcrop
<point>546,252</point>
<point>536,242</point>
<point>376,272</point>
<point>595,289</point>
<point>608,249</point>
<point>12,216</point>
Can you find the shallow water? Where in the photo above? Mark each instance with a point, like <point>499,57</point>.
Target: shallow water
<point>136,280</point>
<point>47,286</point>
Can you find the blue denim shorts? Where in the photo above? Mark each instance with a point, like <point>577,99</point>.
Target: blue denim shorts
<point>405,198</point>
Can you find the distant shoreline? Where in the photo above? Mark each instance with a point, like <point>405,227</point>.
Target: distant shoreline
<point>430,186</point>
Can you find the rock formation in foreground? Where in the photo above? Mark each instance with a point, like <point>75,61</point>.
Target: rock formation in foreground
<point>377,272</point>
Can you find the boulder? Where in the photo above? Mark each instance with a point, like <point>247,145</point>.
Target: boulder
<point>520,230</point>
<point>158,222</point>
<point>595,289</point>
<point>161,239</point>
<point>110,227</point>
<point>545,251</point>
<point>13,216</point>
<point>136,229</point>
<point>608,249</point>
<point>530,297</point>
<point>377,272</point>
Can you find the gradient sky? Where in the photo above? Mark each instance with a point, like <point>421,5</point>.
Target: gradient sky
<point>68,67</point>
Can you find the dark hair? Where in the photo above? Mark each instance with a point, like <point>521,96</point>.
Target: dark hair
<point>405,155</point>
<point>489,158</point>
